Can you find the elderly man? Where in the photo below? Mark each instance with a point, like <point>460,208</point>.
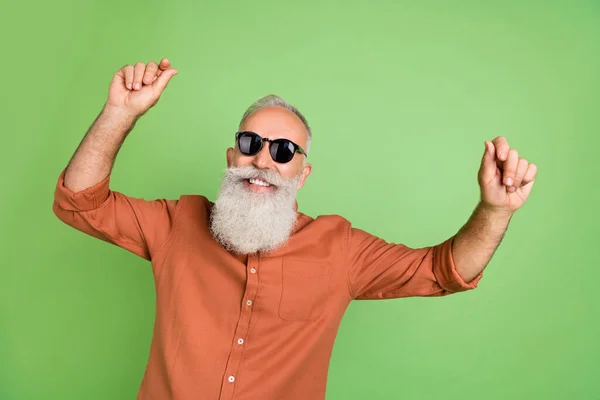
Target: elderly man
<point>249,291</point>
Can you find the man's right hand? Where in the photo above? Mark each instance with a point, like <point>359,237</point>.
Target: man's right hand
<point>135,89</point>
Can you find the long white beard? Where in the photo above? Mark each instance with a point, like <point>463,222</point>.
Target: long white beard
<point>244,221</point>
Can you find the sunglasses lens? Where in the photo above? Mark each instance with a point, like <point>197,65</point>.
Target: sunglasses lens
<point>249,143</point>
<point>282,150</point>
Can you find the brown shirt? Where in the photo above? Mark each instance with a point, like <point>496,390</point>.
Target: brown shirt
<point>260,329</point>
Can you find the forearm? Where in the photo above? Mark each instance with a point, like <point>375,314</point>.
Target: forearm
<point>94,158</point>
<point>475,243</point>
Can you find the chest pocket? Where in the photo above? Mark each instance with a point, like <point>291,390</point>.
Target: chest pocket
<point>305,289</point>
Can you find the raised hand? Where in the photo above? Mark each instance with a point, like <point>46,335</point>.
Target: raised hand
<point>504,178</point>
<point>135,89</point>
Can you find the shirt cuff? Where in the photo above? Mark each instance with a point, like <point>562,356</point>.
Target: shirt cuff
<point>84,200</point>
<point>445,270</point>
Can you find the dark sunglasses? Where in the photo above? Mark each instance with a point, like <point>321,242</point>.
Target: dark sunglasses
<point>281,150</point>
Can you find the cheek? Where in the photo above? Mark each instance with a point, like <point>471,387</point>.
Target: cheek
<point>289,170</point>
<point>241,161</point>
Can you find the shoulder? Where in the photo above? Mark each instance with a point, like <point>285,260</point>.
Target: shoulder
<point>195,199</point>
<point>332,219</point>
<point>328,223</point>
<point>194,204</point>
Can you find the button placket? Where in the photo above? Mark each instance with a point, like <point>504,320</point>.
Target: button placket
<point>242,329</point>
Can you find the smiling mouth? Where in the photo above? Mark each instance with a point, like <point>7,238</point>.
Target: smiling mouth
<point>259,185</point>
<point>258,182</point>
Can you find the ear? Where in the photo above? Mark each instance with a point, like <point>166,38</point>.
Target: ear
<point>229,157</point>
<point>306,170</point>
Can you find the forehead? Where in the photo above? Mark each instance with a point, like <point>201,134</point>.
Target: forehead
<point>277,122</point>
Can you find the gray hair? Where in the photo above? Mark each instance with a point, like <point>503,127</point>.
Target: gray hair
<point>276,101</point>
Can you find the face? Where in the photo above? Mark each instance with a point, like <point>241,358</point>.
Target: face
<point>274,123</point>
<point>256,206</point>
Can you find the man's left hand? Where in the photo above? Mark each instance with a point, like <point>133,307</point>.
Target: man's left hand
<point>504,178</point>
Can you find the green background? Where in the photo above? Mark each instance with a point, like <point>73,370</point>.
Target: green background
<point>400,95</point>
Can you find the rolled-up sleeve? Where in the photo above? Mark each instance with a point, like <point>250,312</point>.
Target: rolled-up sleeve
<point>381,270</point>
<point>137,225</point>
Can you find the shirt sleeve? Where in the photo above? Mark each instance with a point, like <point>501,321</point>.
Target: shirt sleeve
<point>138,225</point>
<point>381,270</point>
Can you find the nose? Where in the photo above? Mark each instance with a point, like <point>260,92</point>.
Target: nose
<point>263,160</point>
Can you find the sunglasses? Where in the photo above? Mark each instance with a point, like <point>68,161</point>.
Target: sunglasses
<point>281,150</point>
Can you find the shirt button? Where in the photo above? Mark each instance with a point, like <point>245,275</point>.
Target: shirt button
<point>231,379</point>
<point>240,341</point>
<point>249,302</point>
<point>253,270</point>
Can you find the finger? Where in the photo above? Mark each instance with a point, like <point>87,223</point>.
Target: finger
<point>118,78</point>
<point>521,169</point>
<point>502,147</point>
<point>128,74</point>
<point>150,73</point>
<point>487,171</point>
<point>138,74</point>
<point>510,167</point>
<point>162,81</point>
<point>529,174</point>
<point>164,65</point>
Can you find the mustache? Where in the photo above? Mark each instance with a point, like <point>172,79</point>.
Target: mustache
<point>268,175</point>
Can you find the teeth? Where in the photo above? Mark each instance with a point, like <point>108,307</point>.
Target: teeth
<point>258,182</point>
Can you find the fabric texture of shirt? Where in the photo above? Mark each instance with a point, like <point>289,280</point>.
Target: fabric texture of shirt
<point>263,330</point>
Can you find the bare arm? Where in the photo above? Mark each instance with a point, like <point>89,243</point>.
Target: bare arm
<point>133,90</point>
<point>505,181</point>
<point>475,243</point>
<point>94,158</point>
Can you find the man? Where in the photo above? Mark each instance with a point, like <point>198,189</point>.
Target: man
<point>249,291</point>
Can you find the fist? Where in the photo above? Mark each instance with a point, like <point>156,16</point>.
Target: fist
<point>505,179</point>
<point>136,88</point>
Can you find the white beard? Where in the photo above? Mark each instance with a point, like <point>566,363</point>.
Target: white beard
<point>244,221</point>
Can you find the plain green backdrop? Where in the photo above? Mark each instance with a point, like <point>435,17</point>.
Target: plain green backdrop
<point>400,95</point>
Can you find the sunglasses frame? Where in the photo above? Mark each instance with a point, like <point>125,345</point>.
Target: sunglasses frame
<point>297,148</point>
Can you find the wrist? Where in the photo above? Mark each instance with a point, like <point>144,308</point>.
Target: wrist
<point>117,113</point>
<point>493,212</point>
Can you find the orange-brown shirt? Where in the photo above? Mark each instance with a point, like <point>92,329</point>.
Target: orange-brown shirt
<point>263,329</point>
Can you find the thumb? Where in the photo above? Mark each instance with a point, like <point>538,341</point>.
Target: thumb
<point>488,163</point>
<point>527,188</point>
<point>164,78</point>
